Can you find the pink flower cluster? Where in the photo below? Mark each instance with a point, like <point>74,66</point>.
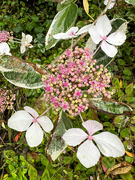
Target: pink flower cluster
<point>5,36</point>
<point>6,99</point>
<point>74,79</point>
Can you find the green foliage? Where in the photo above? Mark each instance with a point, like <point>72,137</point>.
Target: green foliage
<point>57,144</point>
<point>63,20</point>
<point>35,17</point>
<point>20,73</point>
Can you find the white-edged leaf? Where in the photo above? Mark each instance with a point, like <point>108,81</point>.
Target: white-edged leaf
<point>63,21</point>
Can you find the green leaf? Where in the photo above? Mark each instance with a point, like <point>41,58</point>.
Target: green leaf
<point>130,2</point>
<point>108,162</point>
<point>20,73</point>
<point>121,62</point>
<point>129,89</point>
<point>45,175</point>
<point>127,72</point>
<point>116,82</point>
<point>57,144</point>
<point>18,28</point>
<point>127,176</point>
<point>63,21</point>
<point>111,107</point>
<point>124,132</point>
<point>132,128</point>
<point>38,29</point>
<point>32,172</point>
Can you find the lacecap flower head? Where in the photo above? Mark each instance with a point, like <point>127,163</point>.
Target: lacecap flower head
<point>75,77</point>
<point>88,154</point>
<point>29,120</point>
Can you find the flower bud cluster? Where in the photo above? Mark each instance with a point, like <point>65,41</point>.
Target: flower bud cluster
<point>75,78</point>
<point>5,36</point>
<point>6,99</point>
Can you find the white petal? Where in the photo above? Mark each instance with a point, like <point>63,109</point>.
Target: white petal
<point>59,36</point>
<point>103,25</point>
<point>72,29</point>
<point>92,126</point>
<point>84,29</point>
<point>109,144</point>
<point>31,111</point>
<point>117,38</point>
<point>34,135</point>
<point>110,50</point>
<point>28,38</point>
<point>23,35</point>
<point>4,48</point>
<point>74,136</point>
<point>88,154</point>
<point>95,36</point>
<point>46,123</point>
<point>20,120</point>
<point>22,48</point>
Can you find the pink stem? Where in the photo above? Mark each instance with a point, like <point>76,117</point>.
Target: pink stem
<point>81,117</point>
<point>44,112</point>
<point>97,49</point>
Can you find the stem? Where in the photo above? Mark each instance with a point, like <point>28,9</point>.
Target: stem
<point>17,39</point>
<point>44,112</point>
<point>81,117</point>
<point>97,49</point>
<point>72,44</point>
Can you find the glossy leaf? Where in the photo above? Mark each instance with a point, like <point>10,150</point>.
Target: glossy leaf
<point>129,89</point>
<point>63,20</point>
<point>20,73</point>
<point>130,2</point>
<point>57,144</point>
<point>111,107</point>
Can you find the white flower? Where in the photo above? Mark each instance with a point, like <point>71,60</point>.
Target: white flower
<point>84,29</point>
<point>22,120</point>
<point>87,153</point>
<point>71,33</point>
<point>4,49</point>
<point>111,5</point>
<point>25,42</point>
<point>99,33</point>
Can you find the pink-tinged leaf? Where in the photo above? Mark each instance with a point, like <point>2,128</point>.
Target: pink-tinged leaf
<point>88,154</point>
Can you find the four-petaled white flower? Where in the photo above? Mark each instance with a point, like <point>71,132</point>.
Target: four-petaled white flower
<point>71,33</point>
<point>4,49</point>
<point>22,120</point>
<point>111,5</point>
<point>87,153</point>
<point>25,42</point>
<point>99,33</point>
